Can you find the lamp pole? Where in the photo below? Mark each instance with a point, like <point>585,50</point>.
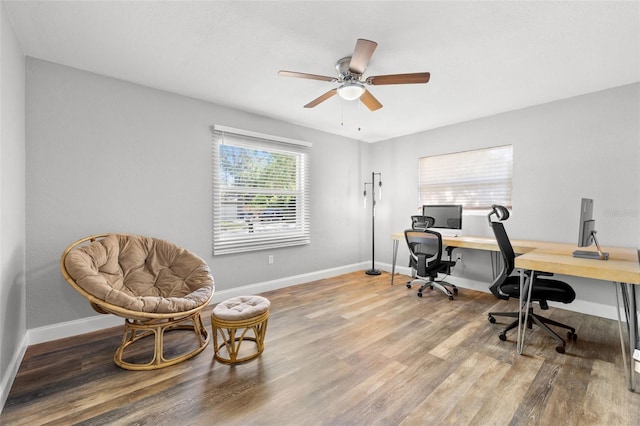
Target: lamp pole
<point>373,270</point>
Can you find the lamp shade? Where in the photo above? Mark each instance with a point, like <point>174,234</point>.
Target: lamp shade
<point>350,91</point>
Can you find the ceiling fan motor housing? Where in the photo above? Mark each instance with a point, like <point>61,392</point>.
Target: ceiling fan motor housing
<point>342,66</point>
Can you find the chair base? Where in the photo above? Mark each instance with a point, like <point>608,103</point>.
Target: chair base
<point>447,288</point>
<point>137,329</point>
<point>228,336</point>
<point>540,321</point>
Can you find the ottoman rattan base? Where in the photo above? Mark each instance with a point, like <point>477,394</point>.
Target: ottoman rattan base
<point>236,321</point>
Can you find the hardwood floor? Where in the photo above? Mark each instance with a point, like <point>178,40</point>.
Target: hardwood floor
<point>346,350</point>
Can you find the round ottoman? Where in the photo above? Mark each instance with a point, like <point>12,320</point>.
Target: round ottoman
<point>242,318</point>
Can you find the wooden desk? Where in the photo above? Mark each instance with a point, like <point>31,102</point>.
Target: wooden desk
<point>622,266</point>
<point>622,269</point>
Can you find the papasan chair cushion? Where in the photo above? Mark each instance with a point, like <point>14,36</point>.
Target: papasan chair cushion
<point>141,274</point>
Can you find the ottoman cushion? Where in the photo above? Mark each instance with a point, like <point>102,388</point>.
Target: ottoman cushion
<point>241,308</point>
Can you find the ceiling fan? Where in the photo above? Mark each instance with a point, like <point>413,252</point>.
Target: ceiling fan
<point>350,76</point>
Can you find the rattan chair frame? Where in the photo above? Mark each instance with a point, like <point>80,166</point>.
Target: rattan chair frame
<point>139,325</point>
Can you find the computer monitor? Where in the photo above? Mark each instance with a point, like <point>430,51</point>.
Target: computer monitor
<point>448,218</point>
<point>587,232</point>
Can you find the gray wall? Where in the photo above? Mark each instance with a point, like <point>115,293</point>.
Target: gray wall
<point>104,155</point>
<point>587,146</point>
<point>12,204</point>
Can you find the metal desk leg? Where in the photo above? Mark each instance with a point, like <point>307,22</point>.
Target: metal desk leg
<point>628,292</point>
<point>524,288</point>
<point>622,347</point>
<point>393,262</point>
<point>632,320</point>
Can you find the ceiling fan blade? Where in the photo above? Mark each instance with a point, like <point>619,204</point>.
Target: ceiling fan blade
<point>305,75</point>
<point>370,101</point>
<point>418,77</point>
<point>362,55</point>
<point>321,98</point>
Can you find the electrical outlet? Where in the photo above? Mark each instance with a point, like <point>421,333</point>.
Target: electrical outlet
<point>270,259</point>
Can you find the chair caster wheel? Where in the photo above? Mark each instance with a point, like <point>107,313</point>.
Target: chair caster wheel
<point>502,337</point>
<point>420,294</point>
<point>455,290</point>
<point>408,285</point>
<point>572,336</point>
<point>450,297</point>
<point>560,349</point>
<point>491,319</point>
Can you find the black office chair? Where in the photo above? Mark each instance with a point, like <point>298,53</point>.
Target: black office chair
<point>507,286</point>
<point>422,222</point>
<point>425,248</point>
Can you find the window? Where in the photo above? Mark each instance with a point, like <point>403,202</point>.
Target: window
<point>260,191</point>
<point>476,179</point>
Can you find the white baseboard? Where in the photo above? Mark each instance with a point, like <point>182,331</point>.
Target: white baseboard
<point>72,328</point>
<point>221,295</point>
<point>12,369</point>
<point>581,306</point>
<point>100,322</point>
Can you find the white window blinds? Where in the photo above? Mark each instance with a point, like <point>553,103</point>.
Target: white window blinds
<point>476,179</point>
<point>260,192</point>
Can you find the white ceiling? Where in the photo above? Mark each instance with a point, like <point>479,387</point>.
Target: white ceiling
<point>484,57</point>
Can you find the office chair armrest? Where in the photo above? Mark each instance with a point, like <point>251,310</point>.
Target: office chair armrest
<point>449,250</point>
<point>450,263</point>
<point>538,274</point>
<point>421,266</point>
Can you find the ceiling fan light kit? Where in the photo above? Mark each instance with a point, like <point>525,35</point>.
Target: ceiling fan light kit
<point>351,90</point>
<point>350,71</point>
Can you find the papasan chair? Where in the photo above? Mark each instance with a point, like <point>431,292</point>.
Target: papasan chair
<point>154,285</point>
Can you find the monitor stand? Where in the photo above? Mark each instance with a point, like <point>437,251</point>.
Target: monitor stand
<point>585,254</point>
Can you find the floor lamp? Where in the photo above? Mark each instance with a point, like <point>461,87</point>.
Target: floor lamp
<point>373,270</point>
